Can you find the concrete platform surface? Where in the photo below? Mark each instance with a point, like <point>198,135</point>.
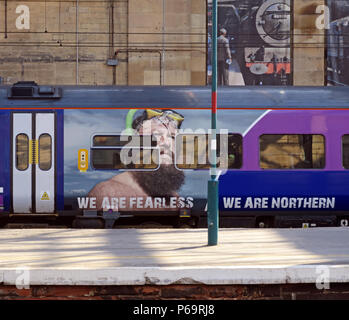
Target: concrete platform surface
<point>173,256</point>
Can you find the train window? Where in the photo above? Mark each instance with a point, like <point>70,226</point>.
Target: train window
<point>117,152</point>
<point>192,151</point>
<point>292,151</point>
<point>119,141</point>
<point>45,154</point>
<point>142,159</point>
<point>22,152</point>
<point>345,151</point>
<point>101,141</point>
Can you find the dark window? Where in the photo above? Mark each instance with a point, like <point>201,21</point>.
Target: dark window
<point>112,158</point>
<point>22,152</point>
<point>101,141</point>
<point>345,151</point>
<point>292,151</point>
<point>125,153</point>
<point>120,141</point>
<point>45,152</point>
<point>192,151</point>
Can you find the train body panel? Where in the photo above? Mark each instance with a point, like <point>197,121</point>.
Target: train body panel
<point>27,186</point>
<point>67,159</point>
<point>330,124</point>
<point>272,191</point>
<point>5,162</point>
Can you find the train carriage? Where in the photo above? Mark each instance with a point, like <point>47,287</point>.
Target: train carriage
<point>63,156</point>
<point>294,172</point>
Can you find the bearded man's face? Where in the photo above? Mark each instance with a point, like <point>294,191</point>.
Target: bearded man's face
<point>165,137</point>
<point>167,179</point>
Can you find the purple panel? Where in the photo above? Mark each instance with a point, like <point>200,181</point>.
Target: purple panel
<point>1,200</point>
<point>330,123</point>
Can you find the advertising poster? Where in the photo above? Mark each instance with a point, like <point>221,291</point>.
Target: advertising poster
<point>253,42</point>
<point>338,43</point>
<point>109,184</point>
<point>174,177</point>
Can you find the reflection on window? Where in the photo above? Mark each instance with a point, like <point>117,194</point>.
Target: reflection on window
<point>192,151</point>
<point>292,151</point>
<point>345,152</point>
<point>45,155</point>
<point>22,152</point>
<point>124,152</point>
<point>112,158</point>
<point>120,141</point>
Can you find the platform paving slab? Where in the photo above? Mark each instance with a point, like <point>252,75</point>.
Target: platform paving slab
<point>173,256</point>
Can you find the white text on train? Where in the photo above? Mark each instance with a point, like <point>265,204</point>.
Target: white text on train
<point>136,202</point>
<point>279,202</point>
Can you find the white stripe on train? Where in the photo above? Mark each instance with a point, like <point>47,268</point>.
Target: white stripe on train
<point>255,122</point>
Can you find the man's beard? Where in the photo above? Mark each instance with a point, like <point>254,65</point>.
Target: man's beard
<point>163,182</point>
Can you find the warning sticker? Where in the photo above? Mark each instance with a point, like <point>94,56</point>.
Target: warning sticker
<point>45,196</point>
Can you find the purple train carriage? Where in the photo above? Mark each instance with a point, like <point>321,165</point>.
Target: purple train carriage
<point>64,161</point>
<point>294,171</point>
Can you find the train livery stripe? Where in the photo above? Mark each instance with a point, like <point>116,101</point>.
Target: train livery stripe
<point>255,122</point>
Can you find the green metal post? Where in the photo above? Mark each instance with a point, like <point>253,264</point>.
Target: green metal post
<point>212,198</point>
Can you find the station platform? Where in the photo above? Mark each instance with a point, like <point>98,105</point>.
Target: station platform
<point>173,256</point>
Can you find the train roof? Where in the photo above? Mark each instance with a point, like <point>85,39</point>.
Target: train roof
<point>240,97</point>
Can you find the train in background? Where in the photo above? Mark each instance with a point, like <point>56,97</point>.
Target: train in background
<point>259,35</point>
<point>287,151</point>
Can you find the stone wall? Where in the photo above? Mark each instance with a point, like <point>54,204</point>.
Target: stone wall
<point>308,51</point>
<point>301,291</point>
<point>66,45</point>
<point>158,42</point>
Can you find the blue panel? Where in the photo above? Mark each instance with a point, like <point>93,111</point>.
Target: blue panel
<point>285,190</point>
<point>5,147</point>
<point>59,159</point>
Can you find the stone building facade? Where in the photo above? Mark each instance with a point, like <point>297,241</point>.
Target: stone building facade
<point>308,43</point>
<point>129,42</point>
<point>155,42</point>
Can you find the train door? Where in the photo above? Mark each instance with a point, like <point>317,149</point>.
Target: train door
<point>33,162</point>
